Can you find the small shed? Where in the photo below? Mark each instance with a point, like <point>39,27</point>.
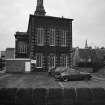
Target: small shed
<point>18,65</point>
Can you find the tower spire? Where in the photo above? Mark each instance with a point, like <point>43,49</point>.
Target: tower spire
<point>40,11</point>
<point>86,44</point>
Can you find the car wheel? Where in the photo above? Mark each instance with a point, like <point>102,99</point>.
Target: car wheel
<point>65,79</point>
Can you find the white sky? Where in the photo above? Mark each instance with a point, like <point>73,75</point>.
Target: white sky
<point>88,15</point>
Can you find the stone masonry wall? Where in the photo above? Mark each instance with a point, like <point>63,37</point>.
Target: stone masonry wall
<point>15,66</point>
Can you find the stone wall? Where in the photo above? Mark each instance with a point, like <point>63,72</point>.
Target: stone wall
<point>54,96</point>
<point>16,65</point>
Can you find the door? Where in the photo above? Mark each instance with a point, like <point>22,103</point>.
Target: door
<point>27,67</point>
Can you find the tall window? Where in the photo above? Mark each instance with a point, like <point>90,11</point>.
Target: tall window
<point>63,38</point>
<point>64,60</point>
<point>40,36</point>
<point>52,61</point>
<point>52,39</point>
<point>39,60</point>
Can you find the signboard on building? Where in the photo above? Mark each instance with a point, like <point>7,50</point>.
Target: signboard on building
<point>33,61</point>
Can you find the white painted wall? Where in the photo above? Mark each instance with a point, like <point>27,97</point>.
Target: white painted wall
<point>27,67</point>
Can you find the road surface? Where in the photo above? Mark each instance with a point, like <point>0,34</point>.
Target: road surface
<point>42,80</point>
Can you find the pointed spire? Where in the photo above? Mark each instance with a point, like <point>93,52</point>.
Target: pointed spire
<point>86,44</point>
<point>40,11</point>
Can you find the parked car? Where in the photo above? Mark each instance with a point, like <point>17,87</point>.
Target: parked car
<point>56,71</point>
<point>72,75</point>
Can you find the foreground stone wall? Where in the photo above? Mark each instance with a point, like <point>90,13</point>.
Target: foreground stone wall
<point>16,65</point>
<point>52,96</point>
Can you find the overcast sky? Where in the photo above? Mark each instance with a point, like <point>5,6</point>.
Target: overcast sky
<point>88,15</point>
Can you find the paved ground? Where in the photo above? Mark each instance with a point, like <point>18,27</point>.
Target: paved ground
<point>35,80</point>
<point>42,80</point>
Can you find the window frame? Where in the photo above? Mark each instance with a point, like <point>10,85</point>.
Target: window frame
<point>39,65</point>
<point>40,36</point>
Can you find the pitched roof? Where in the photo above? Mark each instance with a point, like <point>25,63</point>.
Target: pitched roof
<point>85,53</point>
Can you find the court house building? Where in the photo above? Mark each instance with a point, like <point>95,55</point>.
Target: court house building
<point>48,40</point>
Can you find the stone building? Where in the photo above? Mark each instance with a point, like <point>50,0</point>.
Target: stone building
<point>21,46</point>
<point>48,40</point>
<point>10,53</point>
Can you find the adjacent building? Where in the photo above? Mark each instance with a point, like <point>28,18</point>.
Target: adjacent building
<point>21,45</point>
<point>2,54</point>
<point>88,58</point>
<point>2,60</point>
<point>10,53</point>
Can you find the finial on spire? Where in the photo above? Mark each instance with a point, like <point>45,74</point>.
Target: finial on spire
<point>40,11</point>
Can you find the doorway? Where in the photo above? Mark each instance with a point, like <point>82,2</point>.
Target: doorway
<point>27,67</point>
